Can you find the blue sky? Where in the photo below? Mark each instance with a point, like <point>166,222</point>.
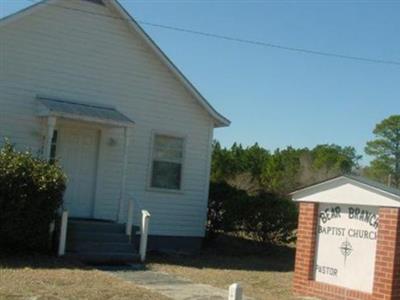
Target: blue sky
<point>274,97</point>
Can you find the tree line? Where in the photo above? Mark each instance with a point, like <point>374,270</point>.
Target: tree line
<point>256,169</point>
<point>249,185</point>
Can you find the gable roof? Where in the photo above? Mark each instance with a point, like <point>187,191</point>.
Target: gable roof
<point>359,179</point>
<point>349,189</point>
<point>219,120</point>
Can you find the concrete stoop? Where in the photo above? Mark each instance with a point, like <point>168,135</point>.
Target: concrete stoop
<point>100,242</point>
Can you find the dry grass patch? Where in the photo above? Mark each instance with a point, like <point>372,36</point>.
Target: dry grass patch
<point>265,272</point>
<point>45,278</point>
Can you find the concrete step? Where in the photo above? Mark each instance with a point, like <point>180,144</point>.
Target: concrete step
<point>87,236</point>
<point>100,242</point>
<point>87,246</point>
<point>98,226</point>
<point>105,258</point>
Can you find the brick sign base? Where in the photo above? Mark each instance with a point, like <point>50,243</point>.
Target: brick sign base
<point>387,263</point>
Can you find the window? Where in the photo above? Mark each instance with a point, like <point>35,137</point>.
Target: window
<point>166,170</point>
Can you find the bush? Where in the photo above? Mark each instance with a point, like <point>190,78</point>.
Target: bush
<point>271,219</point>
<point>31,191</point>
<point>265,217</point>
<point>224,207</point>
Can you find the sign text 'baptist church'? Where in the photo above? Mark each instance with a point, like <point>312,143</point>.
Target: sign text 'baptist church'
<point>346,245</point>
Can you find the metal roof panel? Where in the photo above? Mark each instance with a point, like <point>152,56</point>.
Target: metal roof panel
<point>99,112</point>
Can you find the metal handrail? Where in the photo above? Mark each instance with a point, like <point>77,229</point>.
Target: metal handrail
<point>133,202</point>
<point>144,226</point>
<point>144,232</point>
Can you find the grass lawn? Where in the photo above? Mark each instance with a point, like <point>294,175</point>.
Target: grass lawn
<point>45,278</point>
<point>265,272</point>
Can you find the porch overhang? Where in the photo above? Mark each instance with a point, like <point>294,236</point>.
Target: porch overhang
<point>80,111</point>
<point>54,109</point>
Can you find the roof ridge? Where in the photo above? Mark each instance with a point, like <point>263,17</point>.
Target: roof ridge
<point>374,183</point>
<point>223,121</point>
<point>360,179</point>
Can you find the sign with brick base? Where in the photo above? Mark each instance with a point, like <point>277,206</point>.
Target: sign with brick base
<point>348,241</point>
<point>345,245</point>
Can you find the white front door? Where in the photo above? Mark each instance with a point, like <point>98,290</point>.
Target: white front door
<point>77,150</point>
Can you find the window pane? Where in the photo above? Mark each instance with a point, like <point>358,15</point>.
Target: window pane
<point>168,142</point>
<point>168,148</point>
<point>168,154</point>
<point>166,175</point>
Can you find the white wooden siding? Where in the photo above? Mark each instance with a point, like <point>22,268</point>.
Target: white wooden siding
<point>72,55</point>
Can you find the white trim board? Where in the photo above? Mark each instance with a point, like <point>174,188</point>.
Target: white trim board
<point>349,190</point>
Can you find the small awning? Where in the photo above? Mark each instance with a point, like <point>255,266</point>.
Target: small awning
<point>83,111</point>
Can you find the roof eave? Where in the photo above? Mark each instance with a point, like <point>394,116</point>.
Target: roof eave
<point>350,179</point>
<point>305,188</point>
<point>220,120</point>
<point>86,119</point>
<point>21,13</point>
<point>225,123</point>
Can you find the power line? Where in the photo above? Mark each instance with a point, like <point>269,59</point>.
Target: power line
<point>271,45</point>
<point>239,40</point>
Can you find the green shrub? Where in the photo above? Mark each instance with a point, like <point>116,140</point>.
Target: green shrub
<point>271,218</point>
<point>264,217</point>
<point>225,207</point>
<point>31,191</point>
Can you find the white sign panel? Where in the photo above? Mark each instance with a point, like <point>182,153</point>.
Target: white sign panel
<point>346,246</point>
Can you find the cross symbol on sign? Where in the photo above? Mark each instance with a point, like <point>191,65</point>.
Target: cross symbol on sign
<point>346,249</point>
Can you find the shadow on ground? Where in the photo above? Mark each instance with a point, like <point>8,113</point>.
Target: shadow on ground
<point>224,252</point>
<point>233,253</point>
<point>38,261</point>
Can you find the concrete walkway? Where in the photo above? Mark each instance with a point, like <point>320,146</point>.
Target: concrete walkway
<point>168,285</point>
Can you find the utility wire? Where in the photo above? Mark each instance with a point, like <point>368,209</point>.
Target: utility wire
<point>239,40</point>
<point>271,45</point>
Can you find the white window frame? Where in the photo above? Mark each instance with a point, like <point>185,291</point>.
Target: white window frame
<point>151,159</point>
